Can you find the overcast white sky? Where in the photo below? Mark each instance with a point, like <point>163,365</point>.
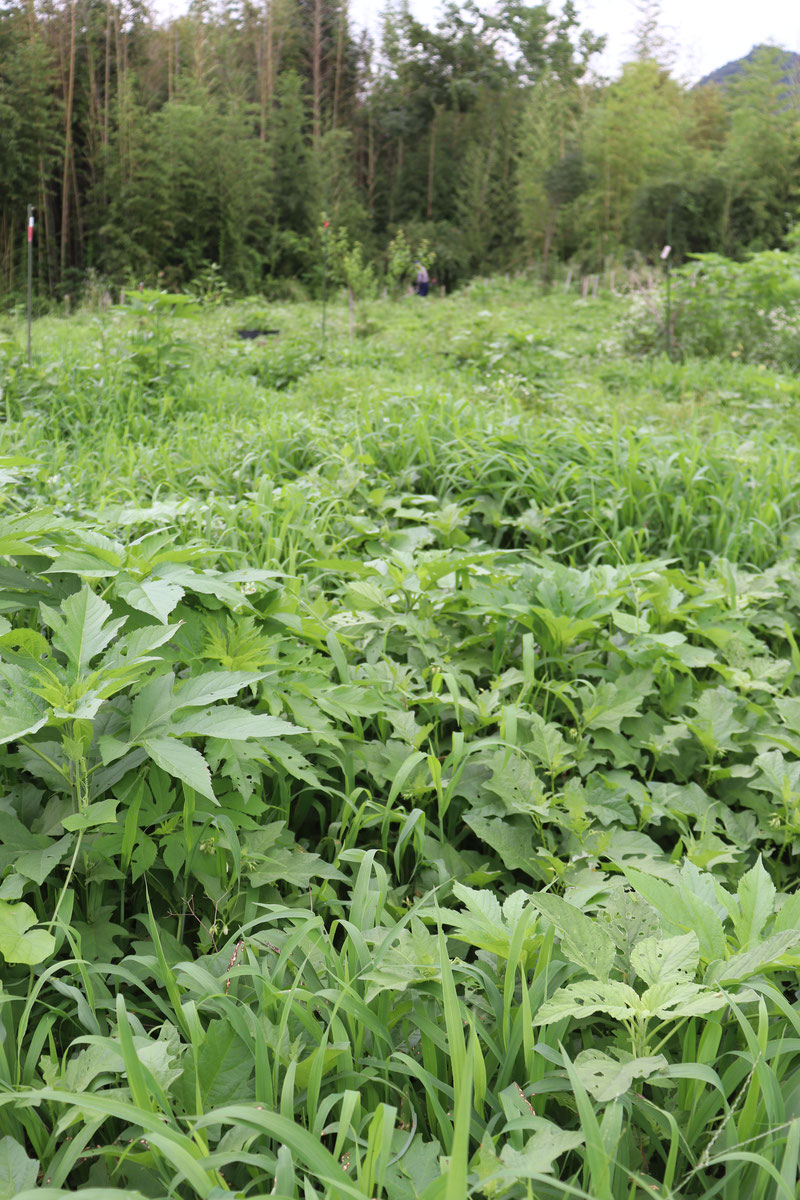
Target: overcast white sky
<point>707,33</point>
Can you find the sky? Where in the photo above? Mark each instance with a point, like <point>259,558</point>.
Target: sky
<point>706,33</point>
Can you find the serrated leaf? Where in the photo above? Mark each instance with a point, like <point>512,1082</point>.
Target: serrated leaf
<point>233,724</point>
<point>756,895</point>
<point>182,762</point>
<point>583,939</point>
<point>21,713</point>
<point>548,746</point>
<point>82,629</point>
<point>202,690</point>
<point>514,844</point>
<point>19,941</point>
<point>155,597</point>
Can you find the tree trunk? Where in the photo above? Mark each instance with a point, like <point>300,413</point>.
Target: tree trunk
<point>337,79</point>
<point>316,72</point>
<point>67,143</point>
<point>432,159</point>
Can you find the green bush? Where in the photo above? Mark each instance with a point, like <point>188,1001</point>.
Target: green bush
<point>721,308</point>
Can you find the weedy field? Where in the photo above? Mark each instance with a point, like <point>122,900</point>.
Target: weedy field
<point>400,750</point>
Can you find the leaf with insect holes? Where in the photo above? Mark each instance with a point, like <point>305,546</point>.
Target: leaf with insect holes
<point>667,960</point>
<point>607,1078</point>
<point>587,997</point>
<point>514,781</point>
<point>19,941</point>
<point>583,940</point>
<point>412,957</point>
<point>538,1154</point>
<point>680,911</point>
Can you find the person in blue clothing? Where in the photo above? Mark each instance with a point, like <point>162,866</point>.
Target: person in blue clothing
<point>423,279</point>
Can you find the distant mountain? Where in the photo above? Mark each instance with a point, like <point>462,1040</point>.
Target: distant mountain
<point>723,75</point>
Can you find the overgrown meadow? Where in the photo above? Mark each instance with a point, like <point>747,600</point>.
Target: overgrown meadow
<point>400,756</point>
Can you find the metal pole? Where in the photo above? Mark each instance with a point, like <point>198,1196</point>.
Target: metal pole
<point>30,276</point>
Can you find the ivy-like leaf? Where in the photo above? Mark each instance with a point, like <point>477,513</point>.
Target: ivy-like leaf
<point>19,941</point>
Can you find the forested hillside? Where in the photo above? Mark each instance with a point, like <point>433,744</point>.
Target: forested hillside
<point>153,147</point>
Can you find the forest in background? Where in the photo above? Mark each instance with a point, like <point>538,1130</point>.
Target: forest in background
<point>152,148</point>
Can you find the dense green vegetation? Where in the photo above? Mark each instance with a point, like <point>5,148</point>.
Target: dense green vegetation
<point>400,745</point>
<point>153,148</point>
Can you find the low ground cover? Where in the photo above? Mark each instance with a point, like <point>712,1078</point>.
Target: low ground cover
<point>400,745</point>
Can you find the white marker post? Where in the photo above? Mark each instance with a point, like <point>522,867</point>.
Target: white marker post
<point>30,276</point>
<point>665,253</point>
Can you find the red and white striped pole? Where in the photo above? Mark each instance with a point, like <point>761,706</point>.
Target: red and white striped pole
<point>30,275</point>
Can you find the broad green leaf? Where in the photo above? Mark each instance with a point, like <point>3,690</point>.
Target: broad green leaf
<point>155,597</point>
<point>104,812</point>
<point>17,1171</point>
<point>182,762</point>
<point>756,895</point>
<point>485,924</point>
<point>779,776</point>
<point>153,707</point>
<point>37,864</point>
<point>223,1070</point>
<point>413,957</point>
<point>671,960</point>
<point>682,911</point>
<point>21,713</point>
<point>715,724</point>
<point>514,781</point>
<point>233,724</point>
<point>277,858</point>
<point>82,629</point>
<point>548,745</point>
<point>512,839</point>
<point>539,1153</point>
<point>607,1078</point>
<point>755,960</point>
<point>19,941</point>
<point>205,689</point>
<point>583,938</point>
<point>676,1000</point>
<point>611,703</point>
